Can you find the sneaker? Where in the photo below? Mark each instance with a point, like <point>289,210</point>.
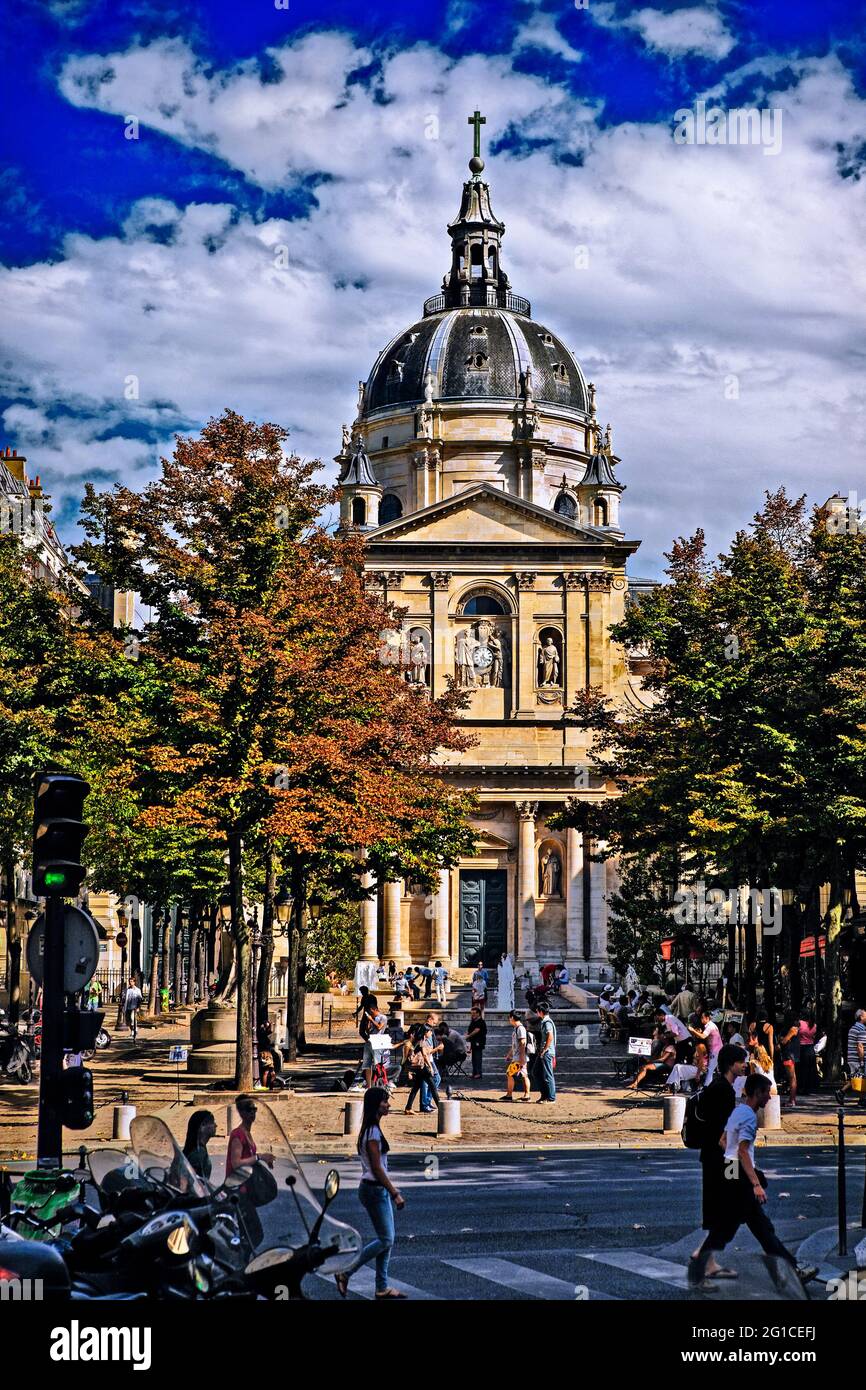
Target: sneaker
<point>840,1096</point>
<point>426,1109</point>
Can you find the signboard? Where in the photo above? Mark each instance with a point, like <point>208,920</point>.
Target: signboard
<point>178,1054</point>
<point>640,1047</point>
<point>80,948</point>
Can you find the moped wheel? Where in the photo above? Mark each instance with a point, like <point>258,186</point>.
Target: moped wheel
<point>24,1074</point>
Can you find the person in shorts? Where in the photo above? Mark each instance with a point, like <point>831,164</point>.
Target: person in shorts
<point>517,1058</point>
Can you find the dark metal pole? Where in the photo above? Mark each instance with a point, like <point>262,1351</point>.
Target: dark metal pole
<point>49,1148</point>
<point>840,1187</point>
<point>863,1211</point>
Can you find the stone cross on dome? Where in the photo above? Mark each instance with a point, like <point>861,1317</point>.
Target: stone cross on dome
<point>476,163</point>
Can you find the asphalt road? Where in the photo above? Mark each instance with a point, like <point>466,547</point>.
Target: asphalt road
<point>594,1224</point>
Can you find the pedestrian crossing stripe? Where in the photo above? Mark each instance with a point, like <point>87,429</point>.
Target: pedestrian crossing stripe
<point>635,1262</point>
<point>526,1281</point>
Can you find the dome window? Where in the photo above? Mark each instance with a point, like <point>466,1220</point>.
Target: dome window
<point>547,339</point>
<point>599,511</point>
<point>478,362</point>
<point>566,506</point>
<point>559,372</point>
<point>359,511</point>
<point>395,371</point>
<point>390,508</point>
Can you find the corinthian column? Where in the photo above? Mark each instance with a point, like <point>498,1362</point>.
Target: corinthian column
<point>369,921</point>
<point>527,811</point>
<point>392,948</point>
<point>575,869</point>
<point>441,938</point>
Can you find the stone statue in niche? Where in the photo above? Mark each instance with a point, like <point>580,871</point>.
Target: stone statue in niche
<point>550,874</point>
<point>347,440</point>
<point>464,657</point>
<point>419,658</point>
<point>362,392</point>
<point>548,660</point>
<point>494,642</point>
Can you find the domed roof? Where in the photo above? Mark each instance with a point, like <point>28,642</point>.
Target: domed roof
<point>475,352</point>
<point>476,339</point>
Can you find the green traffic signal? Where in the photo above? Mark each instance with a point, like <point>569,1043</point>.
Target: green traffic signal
<point>54,879</point>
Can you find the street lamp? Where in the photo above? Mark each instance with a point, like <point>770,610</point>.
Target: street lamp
<point>314,906</point>
<point>224,909</point>
<point>283,905</point>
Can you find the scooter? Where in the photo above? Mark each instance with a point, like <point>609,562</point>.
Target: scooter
<point>16,1053</point>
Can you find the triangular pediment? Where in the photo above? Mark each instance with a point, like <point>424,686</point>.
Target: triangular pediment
<point>484,514</point>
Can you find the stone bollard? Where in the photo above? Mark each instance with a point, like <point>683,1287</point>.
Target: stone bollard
<point>449,1119</point>
<point>352,1116</point>
<point>674,1114</point>
<point>770,1117</point>
<point>123,1116</point>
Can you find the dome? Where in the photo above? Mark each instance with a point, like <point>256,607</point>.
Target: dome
<point>475,352</point>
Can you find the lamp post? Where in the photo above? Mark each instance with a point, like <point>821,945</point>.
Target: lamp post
<point>122,940</point>
<point>255,939</point>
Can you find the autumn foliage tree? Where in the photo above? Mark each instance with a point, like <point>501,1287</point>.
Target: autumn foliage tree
<point>276,730</point>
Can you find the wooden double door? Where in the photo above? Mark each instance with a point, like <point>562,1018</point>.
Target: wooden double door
<point>483,915</point>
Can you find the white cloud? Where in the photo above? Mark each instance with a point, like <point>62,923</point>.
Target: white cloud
<point>705,263</point>
<point>674,32</point>
<point>541,32</point>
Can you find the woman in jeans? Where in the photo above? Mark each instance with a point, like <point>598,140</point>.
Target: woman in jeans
<point>377,1194</point>
<point>421,1073</point>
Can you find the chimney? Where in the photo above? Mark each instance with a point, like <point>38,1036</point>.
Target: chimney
<point>15,463</point>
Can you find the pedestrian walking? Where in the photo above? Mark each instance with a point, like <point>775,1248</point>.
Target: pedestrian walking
<point>426,973</point>
<point>377,1024</point>
<point>789,1049</point>
<point>201,1128</point>
<point>479,985</point>
<point>377,1195</point>
<point>741,1193</point>
<point>807,1072</point>
<point>856,1059</point>
<point>435,1047</point>
<point>242,1149</point>
<point>517,1058</point>
<point>440,975</point>
<point>476,1036</point>
<point>94,995</point>
<point>712,1109</point>
<point>132,1001</point>
<point>546,1056</point>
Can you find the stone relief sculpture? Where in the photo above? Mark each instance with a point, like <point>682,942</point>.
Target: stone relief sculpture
<point>479,655</point>
<point>550,875</point>
<point>548,660</point>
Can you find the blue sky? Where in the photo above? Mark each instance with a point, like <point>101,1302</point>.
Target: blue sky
<point>716,301</point>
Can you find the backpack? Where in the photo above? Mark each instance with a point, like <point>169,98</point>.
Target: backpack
<point>694,1128</point>
<point>531,1045</point>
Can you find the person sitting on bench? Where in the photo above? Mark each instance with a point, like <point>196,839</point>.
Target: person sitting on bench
<point>661,1059</point>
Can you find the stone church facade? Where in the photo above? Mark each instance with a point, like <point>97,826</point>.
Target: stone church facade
<point>488,496</point>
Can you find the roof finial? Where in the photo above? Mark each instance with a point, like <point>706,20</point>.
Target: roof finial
<point>476,163</point>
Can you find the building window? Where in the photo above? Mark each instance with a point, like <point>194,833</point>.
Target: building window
<point>384,441</point>
<point>483,605</point>
<point>476,262</point>
<point>599,511</point>
<point>565,505</point>
<point>359,511</point>
<point>390,508</point>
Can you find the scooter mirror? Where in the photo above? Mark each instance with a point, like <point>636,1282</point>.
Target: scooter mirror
<point>332,1185</point>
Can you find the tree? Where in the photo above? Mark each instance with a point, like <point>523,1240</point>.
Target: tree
<point>275,723</point>
<point>752,758</point>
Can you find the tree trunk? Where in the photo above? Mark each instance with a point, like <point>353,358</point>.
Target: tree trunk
<point>135,947</point>
<point>750,939</point>
<point>192,932</point>
<point>13,945</point>
<point>833,975</point>
<point>303,935</point>
<point>266,958</point>
<point>294,1022</point>
<point>243,959</point>
<point>155,933</point>
<point>165,953</point>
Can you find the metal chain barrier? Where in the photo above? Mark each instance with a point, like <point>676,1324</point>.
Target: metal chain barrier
<point>556,1124</point>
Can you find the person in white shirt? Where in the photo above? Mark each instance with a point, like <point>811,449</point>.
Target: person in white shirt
<point>516,1057</point>
<point>675,1025</point>
<point>744,1196</point>
<point>440,975</point>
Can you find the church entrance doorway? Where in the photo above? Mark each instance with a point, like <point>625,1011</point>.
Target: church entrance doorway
<point>483,899</point>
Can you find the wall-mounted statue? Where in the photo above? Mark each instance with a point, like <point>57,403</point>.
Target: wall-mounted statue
<point>464,657</point>
<point>419,658</point>
<point>549,659</point>
<point>550,875</point>
<point>347,440</point>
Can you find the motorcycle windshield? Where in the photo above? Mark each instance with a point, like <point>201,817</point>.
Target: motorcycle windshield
<point>110,1169</point>
<point>289,1208</point>
<point>161,1158</point>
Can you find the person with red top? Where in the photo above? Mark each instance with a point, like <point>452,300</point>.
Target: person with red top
<point>242,1146</point>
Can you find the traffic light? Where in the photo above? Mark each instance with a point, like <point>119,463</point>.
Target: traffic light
<point>58,832</point>
<point>77,1108</point>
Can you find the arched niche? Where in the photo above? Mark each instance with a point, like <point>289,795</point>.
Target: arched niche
<point>550,869</point>
<point>359,511</point>
<point>485,599</point>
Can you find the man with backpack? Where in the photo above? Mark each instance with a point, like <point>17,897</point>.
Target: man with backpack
<point>546,1056</point>
<point>706,1118</point>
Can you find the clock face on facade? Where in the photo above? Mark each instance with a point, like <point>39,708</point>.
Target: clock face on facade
<point>482,658</point>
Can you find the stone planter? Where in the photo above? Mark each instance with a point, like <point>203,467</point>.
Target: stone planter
<point>213,1041</point>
